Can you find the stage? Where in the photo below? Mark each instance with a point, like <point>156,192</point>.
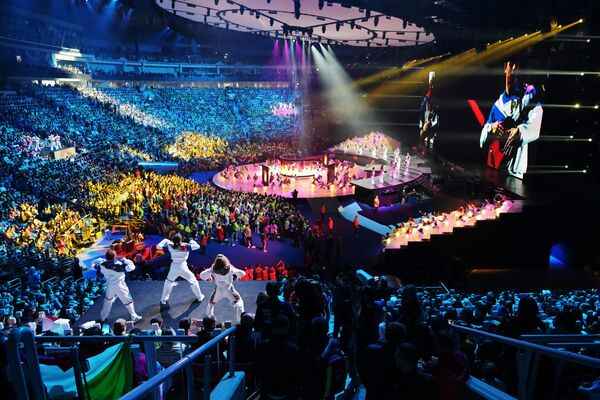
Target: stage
<point>304,185</point>
<point>146,297</point>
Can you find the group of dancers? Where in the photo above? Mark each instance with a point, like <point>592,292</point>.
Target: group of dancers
<point>34,144</point>
<point>221,272</point>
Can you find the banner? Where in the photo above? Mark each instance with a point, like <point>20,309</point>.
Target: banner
<point>109,377</point>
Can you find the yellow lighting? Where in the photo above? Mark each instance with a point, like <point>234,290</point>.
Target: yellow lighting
<point>596,107</point>
<point>577,105</point>
<point>580,20</point>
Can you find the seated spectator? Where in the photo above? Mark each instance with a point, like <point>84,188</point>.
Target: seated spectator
<point>377,367</point>
<point>270,308</point>
<point>450,369</point>
<point>412,383</point>
<point>245,340</point>
<point>169,352</point>
<point>278,363</point>
<point>120,327</point>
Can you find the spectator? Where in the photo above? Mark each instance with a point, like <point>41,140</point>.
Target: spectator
<point>278,363</point>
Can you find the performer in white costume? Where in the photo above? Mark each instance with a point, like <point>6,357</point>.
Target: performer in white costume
<point>179,255</point>
<point>508,131</point>
<point>222,273</point>
<point>114,273</point>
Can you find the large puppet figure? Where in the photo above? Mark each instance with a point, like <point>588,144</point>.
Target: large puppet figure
<point>428,115</point>
<point>510,127</point>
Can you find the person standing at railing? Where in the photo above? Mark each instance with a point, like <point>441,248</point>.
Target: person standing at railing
<point>114,273</point>
<point>179,268</point>
<point>223,274</point>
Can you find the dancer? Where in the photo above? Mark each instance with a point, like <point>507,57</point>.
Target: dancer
<point>114,273</point>
<point>179,255</point>
<point>223,273</point>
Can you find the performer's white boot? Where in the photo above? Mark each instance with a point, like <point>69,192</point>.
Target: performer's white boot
<point>196,290</point>
<point>131,309</point>
<point>167,289</point>
<point>210,310</point>
<point>106,307</point>
<point>239,310</point>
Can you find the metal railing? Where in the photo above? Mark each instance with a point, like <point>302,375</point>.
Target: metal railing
<point>27,337</point>
<point>185,364</point>
<point>528,359</point>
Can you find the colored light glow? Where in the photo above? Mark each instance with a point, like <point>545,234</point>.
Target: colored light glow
<point>477,111</point>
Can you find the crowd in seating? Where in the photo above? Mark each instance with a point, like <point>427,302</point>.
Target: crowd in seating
<point>38,31</point>
<point>200,211</point>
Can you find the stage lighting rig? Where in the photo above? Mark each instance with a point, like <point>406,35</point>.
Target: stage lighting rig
<point>297,9</point>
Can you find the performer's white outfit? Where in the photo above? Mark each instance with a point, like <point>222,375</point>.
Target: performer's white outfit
<point>179,268</point>
<point>224,290</point>
<point>114,273</point>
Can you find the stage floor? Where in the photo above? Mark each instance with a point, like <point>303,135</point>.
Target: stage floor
<point>304,186</point>
<point>146,297</point>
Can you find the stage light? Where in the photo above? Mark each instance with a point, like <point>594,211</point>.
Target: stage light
<point>576,106</point>
<point>580,20</point>
<point>582,74</point>
<point>596,107</point>
<point>588,40</point>
<point>584,171</point>
<point>590,139</point>
<point>566,166</point>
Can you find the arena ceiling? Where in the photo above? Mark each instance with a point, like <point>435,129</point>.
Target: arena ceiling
<point>313,20</point>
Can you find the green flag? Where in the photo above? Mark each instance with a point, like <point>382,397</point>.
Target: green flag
<point>109,377</point>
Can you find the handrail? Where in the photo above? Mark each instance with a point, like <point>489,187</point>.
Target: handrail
<point>561,338</point>
<point>152,383</point>
<point>521,344</point>
<point>15,372</point>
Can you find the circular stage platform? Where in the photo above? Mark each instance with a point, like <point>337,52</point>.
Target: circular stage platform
<point>303,184</point>
<point>249,179</point>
